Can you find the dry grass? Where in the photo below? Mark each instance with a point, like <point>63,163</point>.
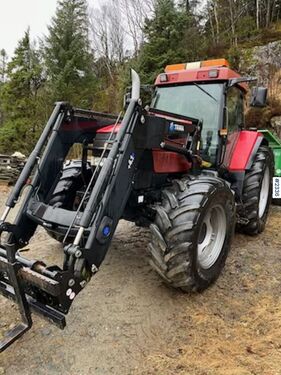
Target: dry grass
<point>248,347</point>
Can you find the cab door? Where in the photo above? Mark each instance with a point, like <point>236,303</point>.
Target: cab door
<point>234,120</point>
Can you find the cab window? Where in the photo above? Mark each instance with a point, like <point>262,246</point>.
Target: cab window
<point>235,109</point>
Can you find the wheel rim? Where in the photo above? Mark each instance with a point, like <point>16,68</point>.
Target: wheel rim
<point>211,237</point>
<point>264,193</point>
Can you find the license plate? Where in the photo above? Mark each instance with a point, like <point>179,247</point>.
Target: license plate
<point>276,191</point>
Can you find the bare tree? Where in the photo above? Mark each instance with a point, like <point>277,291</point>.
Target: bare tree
<point>135,13</point>
<point>211,22</point>
<point>212,7</point>
<point>3,65</point>
<point>232,21</point>
<point>258,14</point>
<point>107,34</point>
<point>268,13</point>
<point>117,27</point>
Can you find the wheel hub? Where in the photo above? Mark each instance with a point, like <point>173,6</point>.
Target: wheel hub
<point>264,193</point>
<point>211,237</point>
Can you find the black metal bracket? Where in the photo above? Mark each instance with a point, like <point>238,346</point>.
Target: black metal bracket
<point>12,229</point>
<point>12,267</point>
<point>13,276</point>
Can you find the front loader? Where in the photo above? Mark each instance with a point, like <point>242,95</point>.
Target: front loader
<point>185,167</point>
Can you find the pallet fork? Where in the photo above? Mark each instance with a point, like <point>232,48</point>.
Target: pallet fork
<point>11,267</point>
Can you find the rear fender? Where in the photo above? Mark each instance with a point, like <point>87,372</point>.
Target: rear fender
<point>244,151</point>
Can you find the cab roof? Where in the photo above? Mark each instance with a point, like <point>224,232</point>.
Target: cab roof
<point>207,71</point>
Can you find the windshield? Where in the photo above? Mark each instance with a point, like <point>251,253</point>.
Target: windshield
<point>201,101</point>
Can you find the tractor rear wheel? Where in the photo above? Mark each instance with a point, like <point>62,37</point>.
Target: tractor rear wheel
<point>192,232</point>
<point>257,192</point>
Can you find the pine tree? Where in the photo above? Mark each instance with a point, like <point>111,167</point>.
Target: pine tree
<point>68,55</point>
<point>166,38</point>
<point>20,98</point>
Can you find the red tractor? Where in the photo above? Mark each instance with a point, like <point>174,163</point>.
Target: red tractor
<point>185,167</point>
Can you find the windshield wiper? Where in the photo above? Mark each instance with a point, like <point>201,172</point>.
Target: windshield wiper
<point>206,92</point>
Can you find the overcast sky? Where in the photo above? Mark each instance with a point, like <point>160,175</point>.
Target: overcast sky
<point>17,15</point>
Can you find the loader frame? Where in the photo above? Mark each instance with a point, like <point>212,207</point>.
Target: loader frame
<point>50,290</point>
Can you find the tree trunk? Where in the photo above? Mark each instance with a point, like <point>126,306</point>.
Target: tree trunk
<point>234,39</point>
<point>217,22</point>
<point>268,8</point>
<point>211,24</point>
<point>273,10</point>
<point>258,14</point>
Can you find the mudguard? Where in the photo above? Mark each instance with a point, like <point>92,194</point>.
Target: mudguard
<point>243,151</point>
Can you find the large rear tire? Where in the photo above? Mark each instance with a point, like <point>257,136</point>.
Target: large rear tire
<point>192,233</point>
<point>257,192</point>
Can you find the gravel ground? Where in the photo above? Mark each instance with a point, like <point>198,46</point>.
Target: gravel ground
<point>127,322</point>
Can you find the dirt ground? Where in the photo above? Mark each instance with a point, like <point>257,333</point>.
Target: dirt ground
<point>127,322</point>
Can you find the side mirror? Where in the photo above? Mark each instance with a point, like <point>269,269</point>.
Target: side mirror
<point>258,97</point>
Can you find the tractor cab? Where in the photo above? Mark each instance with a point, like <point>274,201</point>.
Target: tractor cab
<point>211,92</point>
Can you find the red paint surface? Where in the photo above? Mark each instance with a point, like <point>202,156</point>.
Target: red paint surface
<point>200,74</point>
<point>243,150</point>
<point>163,161</point>
<point>108,129</point>
<point>169,162</point>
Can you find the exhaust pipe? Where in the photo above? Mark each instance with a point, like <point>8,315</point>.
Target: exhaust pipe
<point>135,85</point>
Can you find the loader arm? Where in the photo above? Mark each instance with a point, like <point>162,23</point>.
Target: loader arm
<point>51,290</point>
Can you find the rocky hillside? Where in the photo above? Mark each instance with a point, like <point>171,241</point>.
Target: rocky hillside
<point>264,62</point>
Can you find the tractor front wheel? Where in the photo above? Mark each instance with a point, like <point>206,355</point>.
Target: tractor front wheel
<point>65,192</point>
<point>192,233</point>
